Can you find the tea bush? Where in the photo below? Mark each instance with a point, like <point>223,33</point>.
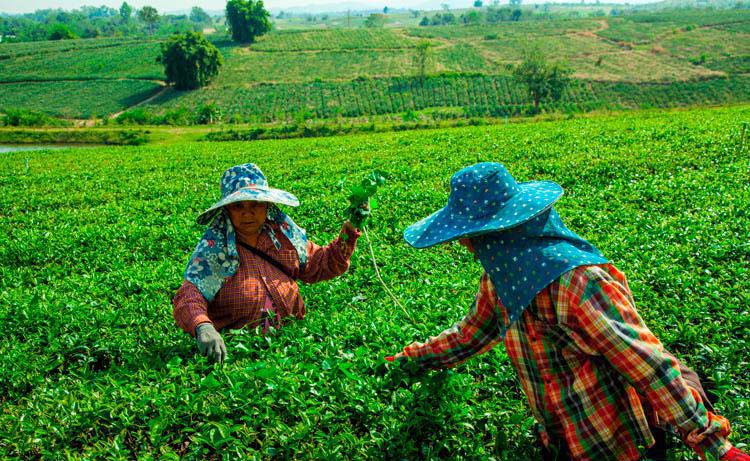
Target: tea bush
<point>93,243</point>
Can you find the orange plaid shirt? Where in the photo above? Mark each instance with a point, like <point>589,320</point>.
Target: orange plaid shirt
<point>242,300</point>
<point>594,374</point>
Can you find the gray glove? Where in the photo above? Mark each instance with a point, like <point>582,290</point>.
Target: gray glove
<point>210,343</point>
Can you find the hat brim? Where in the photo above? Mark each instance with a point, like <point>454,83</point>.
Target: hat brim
<point>444,225</point>
<point>259,194</point>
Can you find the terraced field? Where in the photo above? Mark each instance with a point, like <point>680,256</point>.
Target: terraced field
<point>666,59</point>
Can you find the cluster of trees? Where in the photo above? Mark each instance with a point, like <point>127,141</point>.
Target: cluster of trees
<point>490,15</point>
<point>102,21</point>
<point>191,61</point>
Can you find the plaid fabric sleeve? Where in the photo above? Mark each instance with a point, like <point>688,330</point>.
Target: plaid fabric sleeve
<point>604,315</point>
<point>327,262</point>
<point>190,308</point>
<point>478,332</point>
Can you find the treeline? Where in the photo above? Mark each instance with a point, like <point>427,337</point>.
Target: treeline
<point>490,15</point>
<point>102,21</point>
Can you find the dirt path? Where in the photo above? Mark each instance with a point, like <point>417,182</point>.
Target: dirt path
<point>145,101</point>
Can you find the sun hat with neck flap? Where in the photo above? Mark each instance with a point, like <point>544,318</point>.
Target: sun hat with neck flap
<point>246,182</point>
<point>516,233</point>
<point>215,258</point>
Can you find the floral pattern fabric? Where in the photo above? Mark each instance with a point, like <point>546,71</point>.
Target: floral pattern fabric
<point>215,258</point>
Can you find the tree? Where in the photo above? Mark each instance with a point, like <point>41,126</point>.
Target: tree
<point>197,15</point>
<point>385,10</point>
<point>516,15</point>
<point>375,20</point>
<point>247,19</point>
<point>477,3</point>
<point>125,12</point>
<point>421,56</point>
<point>425,21</point>
<point>190,61</point>
<point>149,16</point>
<point>514,2</point>
<point>542,79</point>
<point>60,32</point>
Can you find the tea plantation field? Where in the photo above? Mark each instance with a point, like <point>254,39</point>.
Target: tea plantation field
<point>93,243</point>
<point>659,59</point>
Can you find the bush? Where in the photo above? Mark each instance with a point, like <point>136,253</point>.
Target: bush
<point>190,61</point>
<point>25,117</point>
<point>61,32</point>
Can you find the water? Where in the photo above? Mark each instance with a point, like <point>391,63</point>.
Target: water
<point>5,149</point>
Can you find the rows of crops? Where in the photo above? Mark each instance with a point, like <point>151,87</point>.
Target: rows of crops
<point>93,243</point>
<point>77,99</point>
<point>133,60</point>
<point>478,95</point>
<point>646,28</point>
<point>13,50</point>
<point>675,49</point>
<point>335,39</point>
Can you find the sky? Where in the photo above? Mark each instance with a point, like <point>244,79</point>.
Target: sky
<point>28,6</point>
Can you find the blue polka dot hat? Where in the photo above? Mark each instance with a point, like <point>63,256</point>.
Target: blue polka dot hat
<point>484,198</point>
<point>516,233</point>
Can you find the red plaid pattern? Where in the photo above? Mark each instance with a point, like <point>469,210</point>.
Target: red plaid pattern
<point>242,299</point>
<point>593,373</point>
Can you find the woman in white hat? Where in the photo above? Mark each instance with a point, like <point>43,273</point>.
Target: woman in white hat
<point>244,270</point>
<point>599,383</point>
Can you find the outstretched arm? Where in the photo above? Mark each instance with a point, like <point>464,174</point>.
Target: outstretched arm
<point>479,331</point>
<point>332,260</point>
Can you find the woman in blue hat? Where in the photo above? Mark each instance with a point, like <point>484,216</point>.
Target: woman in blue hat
<point>600,384</point>
<point>245,268</point>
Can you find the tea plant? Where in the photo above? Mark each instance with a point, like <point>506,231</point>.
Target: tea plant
<point>93,244</point>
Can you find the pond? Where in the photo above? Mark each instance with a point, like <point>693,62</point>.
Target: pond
<point>26,147</point>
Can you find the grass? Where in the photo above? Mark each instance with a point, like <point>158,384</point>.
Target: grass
<point>93,243</point>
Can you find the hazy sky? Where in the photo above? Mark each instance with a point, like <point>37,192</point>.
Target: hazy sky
<point>28,6</point>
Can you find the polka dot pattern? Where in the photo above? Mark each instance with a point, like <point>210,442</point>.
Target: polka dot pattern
<point>484,198</point>
<point>519,238</point>
<point>523,260</point>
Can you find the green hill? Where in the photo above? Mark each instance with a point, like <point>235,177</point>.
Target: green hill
<point>672,58</point>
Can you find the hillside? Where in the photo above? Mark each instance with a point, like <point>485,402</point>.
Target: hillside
<point>663,59</point>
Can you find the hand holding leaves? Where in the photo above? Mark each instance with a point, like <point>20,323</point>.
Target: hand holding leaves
<point>359,199</point>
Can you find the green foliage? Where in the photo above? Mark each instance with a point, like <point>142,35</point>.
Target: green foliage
<point>149,16</point>
<point>77,99</point>
<point>198,15</point>
<point>190,61</point>
<point>376,20</point>
<point>74,136</point>
<point>95,241</point>
<point>25,117</point>
<point>247,20</point>
<point>544,81</point>
<point>474,95</point>
<point>61,32</point>
<point>360,198</point>
<point>126,11</point>
<point>421,56</point>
